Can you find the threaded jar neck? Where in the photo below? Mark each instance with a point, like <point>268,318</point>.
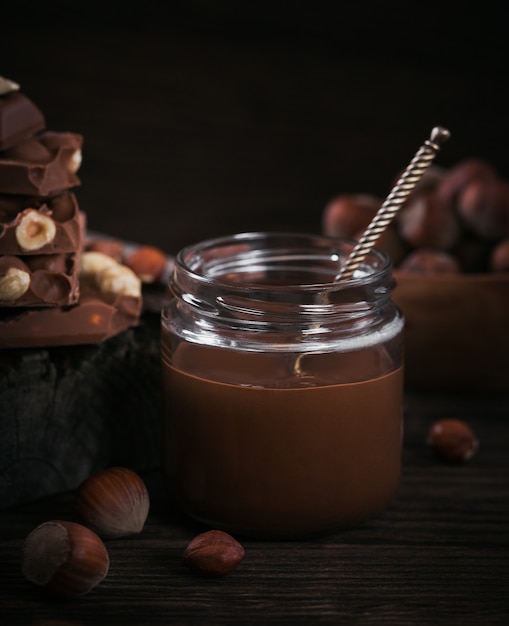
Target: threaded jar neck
<point>271,277</point>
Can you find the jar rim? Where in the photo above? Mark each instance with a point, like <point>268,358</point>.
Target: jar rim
<point>190,259</point>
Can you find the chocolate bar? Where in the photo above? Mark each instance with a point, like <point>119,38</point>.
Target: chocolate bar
<point>97,317</point>
<point>20,118</point>
<point>32,225</point>
<point>41,165</point>
<point>40,280</point>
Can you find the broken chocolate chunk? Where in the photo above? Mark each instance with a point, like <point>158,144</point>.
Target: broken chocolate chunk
<point>41,165</point>
<point>20,119</point>
<point>97,317</point>
<point>62,213</point>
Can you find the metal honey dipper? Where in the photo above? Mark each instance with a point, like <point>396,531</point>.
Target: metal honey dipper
<point>399,193</point>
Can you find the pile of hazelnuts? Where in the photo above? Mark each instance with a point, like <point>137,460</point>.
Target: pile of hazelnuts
<point>454,221</point>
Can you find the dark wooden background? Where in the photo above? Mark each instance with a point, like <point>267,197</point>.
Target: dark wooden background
<point>203,118</point>
<point>250,116</point>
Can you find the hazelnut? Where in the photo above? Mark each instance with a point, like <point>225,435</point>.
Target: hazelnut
<point>213,553</point>
<point>484,207</point>
<point>75,161</point>
<point>35,230</point>
<point>94,262</point>
<point>452,440</point>
<point>346,215</point>
<point>390,242</point>
<point>457,178</point>
<point>65,557</point>
<point>110,247</point>
<point>428,261</point>
<point>426,222</point>
<point>14,283</point>
<point>499,260</point>
<point>114,502</point>
<point>147,262</point>
<point>119,279</point>
<point>108,275</point>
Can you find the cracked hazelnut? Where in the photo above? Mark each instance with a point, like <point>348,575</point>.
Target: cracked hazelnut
<point>66,558</point>
<point>452,440</point>
<point>114,502</point>
<point>147,262</point>
<point>14,283</point>
<point>35,230</point>
<point>213,553</point>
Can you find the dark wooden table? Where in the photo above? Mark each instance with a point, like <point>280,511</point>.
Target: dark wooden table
<point>438,555</point>
<point>215,121</point>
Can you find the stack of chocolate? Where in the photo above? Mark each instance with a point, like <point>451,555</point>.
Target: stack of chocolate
<point>48,295</point>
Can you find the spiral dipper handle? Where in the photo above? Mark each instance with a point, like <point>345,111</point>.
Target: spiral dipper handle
<point>400,192</point>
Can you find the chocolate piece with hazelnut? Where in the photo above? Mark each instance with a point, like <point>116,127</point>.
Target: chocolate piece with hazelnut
<point>41,165</point>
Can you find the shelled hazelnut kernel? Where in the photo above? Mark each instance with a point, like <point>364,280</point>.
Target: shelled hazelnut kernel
<point>66,558</point>
<point>147,262</point>
<point>93,262</point>
<point>14,278</point>
<point>34,230</point>
<point>213,553</point>
<point>114,502</point>
<point>452,440</point>
<point>118,279</point>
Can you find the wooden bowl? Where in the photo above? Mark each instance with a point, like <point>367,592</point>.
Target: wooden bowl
<point>456,330</point>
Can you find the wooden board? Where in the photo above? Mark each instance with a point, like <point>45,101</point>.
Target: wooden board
<point>66,412</point>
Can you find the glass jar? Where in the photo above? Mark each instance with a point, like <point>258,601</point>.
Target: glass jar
<point>283,388</point>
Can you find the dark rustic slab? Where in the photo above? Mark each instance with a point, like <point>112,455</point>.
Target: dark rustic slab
<point>67,411</point>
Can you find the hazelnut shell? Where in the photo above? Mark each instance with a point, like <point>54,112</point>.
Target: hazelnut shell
<point>114,502</point>
<point>213,553</point>
<point>66,558</point>
<point>452,440</point>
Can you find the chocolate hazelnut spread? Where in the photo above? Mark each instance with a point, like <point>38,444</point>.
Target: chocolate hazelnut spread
<point>282,388</point>
<point>276,461</point>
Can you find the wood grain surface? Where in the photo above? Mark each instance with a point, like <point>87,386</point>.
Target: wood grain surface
<point>438,555</point>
